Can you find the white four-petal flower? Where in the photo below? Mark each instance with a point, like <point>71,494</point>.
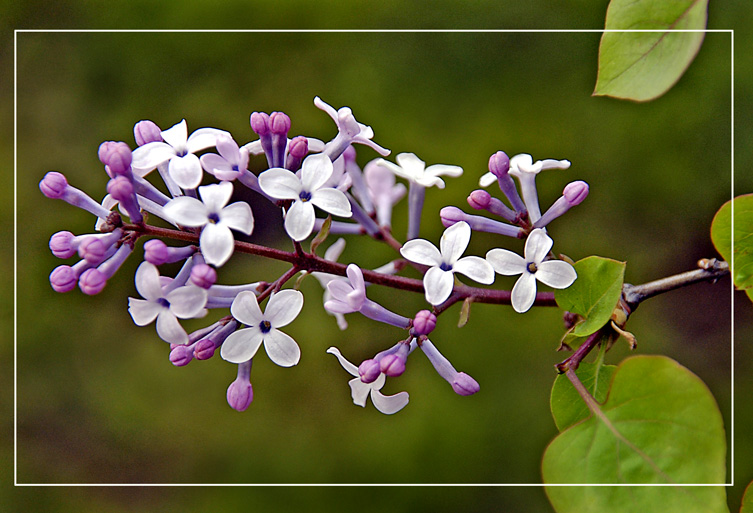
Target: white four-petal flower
<point>306,191</point>
<point>557,274</point>
<point>178,148</point>
<point>230,162</point>
<point>413,169</point>
<point>439,279</point>
<point>282,308</point>
<point>387,404</point>
<point>216,241</point>
<point>186,302</point>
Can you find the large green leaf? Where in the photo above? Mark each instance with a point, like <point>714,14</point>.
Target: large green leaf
<point>742,250</point>
<point>659,425</point>
<point>747,505</point>
<point>642,66</point>
<point>567,405</point>
<point>594,294</point>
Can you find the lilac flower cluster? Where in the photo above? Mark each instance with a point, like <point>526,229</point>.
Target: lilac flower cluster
<point>302,175</point>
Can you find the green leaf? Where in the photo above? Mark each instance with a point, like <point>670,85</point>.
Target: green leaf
<point>721,236</point>
<point>747,505</point>
<point>659,425</point>
<point>322,235</point>
<point>565,402</point>
<point>595,293</point>
<point>642,66</point>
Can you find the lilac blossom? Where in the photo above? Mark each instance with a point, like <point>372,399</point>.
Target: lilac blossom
<point>349,131</point>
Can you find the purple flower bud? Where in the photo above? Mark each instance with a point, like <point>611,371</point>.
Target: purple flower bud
<point>120,188</point>
<point>53,185</point>
<point>116,156</point>
<point>369,371</point>
<point>92,281</point>
<point>63,244</point>
<point>63,278</point>
<point>203,275</point>
<point>93,249</point>
<point>575,192</point>
<point>424,322</point>
<point>204,349</point>
<point>463,384</point>
<point>392,365</point>
<point>146,131</point>
<point>451,215</point>
<point>499,164</point>
<point>260,123</point>
<point>479,199</point>
<point>349,154</point>
<point>240,394</point>
<point>298,147</point>
<point>181,355</point>
<point>279,123</point>
<point>155,252</point>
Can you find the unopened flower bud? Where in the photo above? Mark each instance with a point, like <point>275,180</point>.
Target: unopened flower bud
<point>63,278</point>
<point>451,215</point>
<point>120,188</point>
<point>146,131</point>
<point>204,349</point>
<point>155,252</point>
<point>279,123</point>
<point>53,185</point>
<point>63,244</point>
<point>369,371</point>
<point>479,199</point>
<point>463,384</point>
<point>575,192</point>
<point>424,322</point>
<point>93,249</point>
<point>181,355</point>
<point>240,393</point>
<point>116,156</point>
<point>392,365</point>
<point>203,275</point>
<point>499,164</point>
<point>298,147</point>
<point>260,123</point>
<point>92,281</point>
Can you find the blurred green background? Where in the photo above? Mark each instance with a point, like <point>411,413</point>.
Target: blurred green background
<point>98,400</point>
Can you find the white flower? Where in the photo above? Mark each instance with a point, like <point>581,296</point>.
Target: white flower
<point>414,170</point>
<point>186,302</point>
<point>282,308</point>
<point>387,404</point>
<point>306,191</point>
<point>350,130</point>
<point>346,296</point>
<point>554,273</point>
<point>231,161</point>
<point>439,279</point>
<point>216,241</point>
<point>332,254</point>
<point>184,167</point>
<point>523,163</point>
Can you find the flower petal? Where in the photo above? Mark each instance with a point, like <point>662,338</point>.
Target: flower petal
<point>246,309</point>
<point>241,345</point>
<point>411,167</point>
<point>359,391</point>
<point>204,138</point>
<point>538,245</point>
<point>299,220</point>
<point>187,302</point>
<point>147,281</point>
<point>281,348</point>
<point>506,262</point>
<point>214,164</point>
<point>487,179</point>
<point>283,307</point>
<point>475,268</point>
<point>169,329</point>
<point>315,171</point>
<point>444,170</point>
<point>349,367</point>
<point>216,195</point>
<point>238,216</point>
<point>176,135</point>
<point>143,312</point>
<point>557,274</point>
<point>422,252</point>
<point>187,211</point>
<point>217,244</point>
<point>454,241</point>
<point>280,183</point>
<point>438,285</point>
<point>389,404</point>
<point>228,148</point>
<point>186,171</point>
<point>333,201</point>
<point>151,155</point>
<point>524,293</point>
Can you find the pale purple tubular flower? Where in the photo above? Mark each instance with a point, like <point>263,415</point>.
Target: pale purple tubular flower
<point>306,192</point>
<point>557,274</point>
<point>573,194</point>
<point>355,179</point>
<point>482,200</point>
<point>298,148</point>
<point>121,189</point>
<point>461,382</point>
<point>452,215</point>
<point>279,126</point>
<point>445,262</point>
<point>158,253</point>
<point>263,327</point>
<point>525,170</point>
<point>332,253</point>
<point>260,125</point>
<point>360,390</point>
<point>499,170</point>
<point>178,150</point>
<point>383,191</point>
<point>92,281</point>
<point>55,186</point>
<point>165,304</point>
<point>240,393</point>
<point>349,131</point>
<point>216,219</point>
